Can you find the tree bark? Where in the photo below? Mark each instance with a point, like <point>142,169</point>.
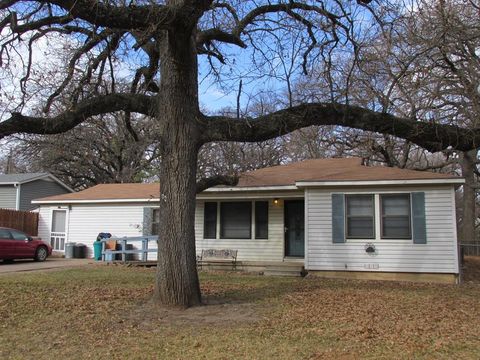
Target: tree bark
<point>468,203</point>
<point>179,133</point>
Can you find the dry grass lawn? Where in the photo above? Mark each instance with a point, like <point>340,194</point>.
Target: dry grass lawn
<point>105,312</point>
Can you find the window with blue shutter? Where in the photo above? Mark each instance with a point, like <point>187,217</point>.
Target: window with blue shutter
<point>360,212</point>
<point>395,216</point>
<point>236,220</point>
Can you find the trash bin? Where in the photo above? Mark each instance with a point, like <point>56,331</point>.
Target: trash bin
<point>69,250</point>
<point>79,251</point>
<point>97,250</point>
<point>97,245</point>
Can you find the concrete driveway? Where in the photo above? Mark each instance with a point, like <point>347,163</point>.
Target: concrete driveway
<point>49,264</point>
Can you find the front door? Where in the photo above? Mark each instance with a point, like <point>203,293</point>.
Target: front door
<point>58,232</point>
<point>295,228</point>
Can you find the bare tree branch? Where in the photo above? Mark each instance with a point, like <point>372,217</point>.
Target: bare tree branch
<point>429,135</point>
<point>131,17</point>
<point>216,180</point>
<point>67,120</point>
<point>234,35</point>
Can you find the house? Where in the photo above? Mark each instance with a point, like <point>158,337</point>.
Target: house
<point>18,190</point>
<point>338,217</point>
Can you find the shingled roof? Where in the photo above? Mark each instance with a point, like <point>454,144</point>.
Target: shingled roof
<point>18,179</point>
<point>127,191</point>
<point>341,169</point>
<point>317,170</point>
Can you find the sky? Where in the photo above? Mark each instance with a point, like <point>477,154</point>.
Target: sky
<point>257,75</point>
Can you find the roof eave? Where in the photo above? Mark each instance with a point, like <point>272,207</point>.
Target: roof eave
<point>303,184</point>
<point>92,201</point>
<point>251,188</point>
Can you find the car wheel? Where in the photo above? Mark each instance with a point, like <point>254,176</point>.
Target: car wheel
<point>41,253</point>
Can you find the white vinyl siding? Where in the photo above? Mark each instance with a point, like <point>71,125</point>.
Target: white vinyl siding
<point>438,255</point>
<point>44,222</point>
<point>85,221</point>
<point>271,249</point>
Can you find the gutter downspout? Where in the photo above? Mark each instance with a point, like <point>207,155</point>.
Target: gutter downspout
<point>17,196</point>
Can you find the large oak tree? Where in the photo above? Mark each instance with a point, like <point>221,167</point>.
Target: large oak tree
<point>166,39</point>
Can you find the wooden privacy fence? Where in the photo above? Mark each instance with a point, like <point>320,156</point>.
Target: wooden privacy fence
<point>25,221</point>
<point>470,249</point>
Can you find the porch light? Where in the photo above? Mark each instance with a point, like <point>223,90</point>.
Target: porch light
<point>276,201</point>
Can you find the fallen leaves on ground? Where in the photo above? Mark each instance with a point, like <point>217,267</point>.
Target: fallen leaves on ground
<point>108,313</point>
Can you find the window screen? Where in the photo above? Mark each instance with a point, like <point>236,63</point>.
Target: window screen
<point>210,220</point>
<point>261,219</point>
<point>235,220</point>
<point>396,216</point>
<point>58,221</point>
<point>360,216</point>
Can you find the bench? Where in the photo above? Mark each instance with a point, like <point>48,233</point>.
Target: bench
<point>215,256</point>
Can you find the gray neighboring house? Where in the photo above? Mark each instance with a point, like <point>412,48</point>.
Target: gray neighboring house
<point>18,190</point>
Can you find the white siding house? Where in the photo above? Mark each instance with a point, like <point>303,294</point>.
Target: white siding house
<point>83,222</point>
<point>437,255</point>
<point>335,216</point>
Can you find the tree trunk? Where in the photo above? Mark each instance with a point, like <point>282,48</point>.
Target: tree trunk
<point>179,133</point>
<point>468,219</point>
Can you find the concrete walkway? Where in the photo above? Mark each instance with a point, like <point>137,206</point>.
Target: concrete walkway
<point>49,264</point>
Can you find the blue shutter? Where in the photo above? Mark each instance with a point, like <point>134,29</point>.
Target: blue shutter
<point>147,221</point>
<point>338,218</point>
<point>418,218</point>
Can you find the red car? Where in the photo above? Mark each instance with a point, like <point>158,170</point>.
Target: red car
<point>15,244</point>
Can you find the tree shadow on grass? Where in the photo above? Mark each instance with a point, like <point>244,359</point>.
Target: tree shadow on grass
<point>229,288</point>
<point>228,299</point>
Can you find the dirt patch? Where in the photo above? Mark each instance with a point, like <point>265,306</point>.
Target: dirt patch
<point>215,312</point>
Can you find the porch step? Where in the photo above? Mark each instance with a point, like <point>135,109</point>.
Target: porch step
<point>288,270</point>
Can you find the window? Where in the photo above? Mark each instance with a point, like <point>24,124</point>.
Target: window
<point>360,215</point>
<point>395,212</point>
<point>59,220</point>
<point>5,234</point>
<point>155,221</point>
<point>210,220</point>
<point>236,220</point>
<point>261,219</point>
<point>17,235</point>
